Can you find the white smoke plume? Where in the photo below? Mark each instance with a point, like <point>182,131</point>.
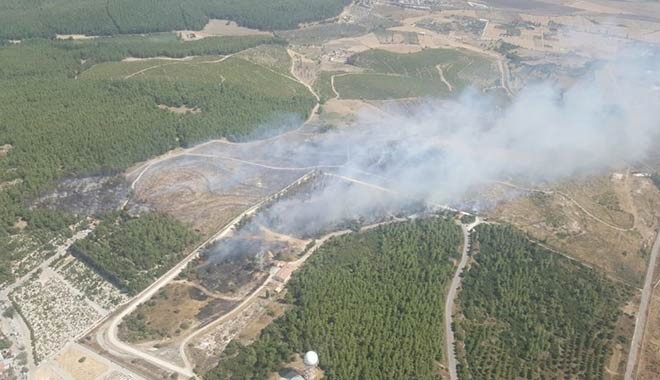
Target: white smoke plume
<point>439,150</point>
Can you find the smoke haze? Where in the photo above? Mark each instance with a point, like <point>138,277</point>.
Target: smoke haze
<point>437,151</point>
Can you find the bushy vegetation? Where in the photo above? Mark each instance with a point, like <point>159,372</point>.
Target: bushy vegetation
<point>533,314</point>
<point>45,18</point>
<point>132,252</point>
<point>370,303</point>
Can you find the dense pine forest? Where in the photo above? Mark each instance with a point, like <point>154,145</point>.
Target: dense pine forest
<point>44,18</point>
<point>55,124</point>
<point>370,303</point>
<point>533,314</point>
<point>132,252</point>
<point>58,126</point>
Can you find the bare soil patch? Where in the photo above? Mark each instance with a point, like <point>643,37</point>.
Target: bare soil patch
<point>74,37</point>
<point>217,27</point>
<point>80,365</point>
<point>5,149</point>
<point>179,110</point>
<point>47,373</point>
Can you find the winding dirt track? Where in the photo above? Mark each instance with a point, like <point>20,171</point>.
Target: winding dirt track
<point>296,264</point>
<point>570,199</point>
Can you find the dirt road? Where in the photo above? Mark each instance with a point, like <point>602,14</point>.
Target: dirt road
<point>640,323</point>
<point>108,336</point>
<point>247,301</point>
<point>451,296</point>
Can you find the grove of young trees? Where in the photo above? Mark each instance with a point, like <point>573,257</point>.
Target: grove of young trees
<point>132,252</point>
<point>371,304</point>
<point>532,314</point>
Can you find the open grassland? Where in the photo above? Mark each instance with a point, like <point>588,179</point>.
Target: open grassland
<point>272,56</point>
<point>599,220</point>
<point>521,320</point>
<point>176,308</point>
<point>21,19</point>
<point>430,72</point>
<point>382,289</point>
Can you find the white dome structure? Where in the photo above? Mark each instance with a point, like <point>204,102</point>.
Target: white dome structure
<point>311,359</point>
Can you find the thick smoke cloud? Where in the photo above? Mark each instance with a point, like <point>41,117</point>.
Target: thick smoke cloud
<point>439,150</point>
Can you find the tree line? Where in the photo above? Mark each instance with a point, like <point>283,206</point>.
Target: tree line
<point>21,19</point>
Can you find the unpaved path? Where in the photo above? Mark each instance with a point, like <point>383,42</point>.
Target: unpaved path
<point>640,323</point>
<point>178,152</point>
<point>332,85</point>
<point>443,79</point>
<point>570,199</point>
<point>247,301</point>
<point>297,56</point>
<point>178,61</point>
<point>107,336</point>
<point>450,339</point>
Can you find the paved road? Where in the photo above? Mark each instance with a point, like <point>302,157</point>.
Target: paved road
<point>451,296</point>
<point>640,324</point>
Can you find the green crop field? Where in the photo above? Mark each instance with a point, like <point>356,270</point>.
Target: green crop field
<point>204,70</point>
<point>384,86</point>
<point>533,314</point>
<point>392,75</point>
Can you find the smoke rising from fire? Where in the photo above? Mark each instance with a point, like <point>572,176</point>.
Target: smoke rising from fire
<point>438,150</point>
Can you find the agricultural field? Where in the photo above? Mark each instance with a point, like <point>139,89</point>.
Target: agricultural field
<point>386,86</point>
<point>178,307</point>
<point>513,296</point>
<point>430,72</point>
<point>235,72</point>
<point>355,290</point>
